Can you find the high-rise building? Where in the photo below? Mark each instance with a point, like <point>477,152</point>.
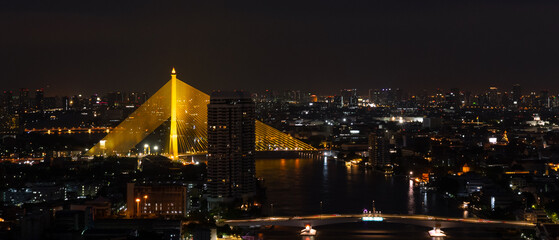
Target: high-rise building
<point>516,94</point>
<point>454,98</point>
<point>544,99</point>
<point>338,101</point>
<point>39,99</point>
<point>397,97</point>
<point>7,100</point>
<point>66,103</point>
<point>292,96</point>
<point>143,98</point>
<point>231,146</point>
<point>23,98</point>
<point>375,96</point>
<point>349,97</point>
<point>493,97</point>
<point>111,99</point>
<point>379,155</point>
<point>468,98</point>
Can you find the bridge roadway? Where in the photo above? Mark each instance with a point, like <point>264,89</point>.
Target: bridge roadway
<point>421,220</point>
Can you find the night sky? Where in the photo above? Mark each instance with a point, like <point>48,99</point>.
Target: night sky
<point>83,46</point>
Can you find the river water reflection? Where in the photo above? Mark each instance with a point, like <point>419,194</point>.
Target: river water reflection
<point>296,187</point>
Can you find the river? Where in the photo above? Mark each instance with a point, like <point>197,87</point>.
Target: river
<point>296,187</point>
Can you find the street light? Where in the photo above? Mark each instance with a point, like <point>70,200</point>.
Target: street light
<point>145,202</point>
<point>147,149</point>
<point>320,209</point>
<point>137,207</point>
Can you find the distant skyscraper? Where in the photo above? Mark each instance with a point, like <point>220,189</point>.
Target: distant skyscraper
<point>66,103</point>
<point>375,97</point>
<point>231,146</point>
<point>112,99</point>
<point>338,101</point>
<point>143,98</point>
<point>544,99</point>
<point>39,99</point>
<point>7,100</point>
<point>493,96</point>
<point>468,98</point>
<point>349,97</point>
<point>453,98</point>
<point>398,96</point>
<point>23,98</point>
<point>516,93</point>
<point>378,150</point>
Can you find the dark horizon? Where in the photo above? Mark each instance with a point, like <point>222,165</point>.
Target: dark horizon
<point>71,47</point>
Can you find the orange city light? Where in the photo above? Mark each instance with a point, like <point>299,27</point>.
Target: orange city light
<point>137,200</point>
<point>145,196</point>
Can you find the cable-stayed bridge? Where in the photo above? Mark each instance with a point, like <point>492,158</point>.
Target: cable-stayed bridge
<point>185,107</point>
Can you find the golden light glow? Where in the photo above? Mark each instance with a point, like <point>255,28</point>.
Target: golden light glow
<point>173,149</point>
<point>465,168</point>
<point>271,139</point>
<point>186,107</point>
<point>145,196</point>
<point>137,200</point>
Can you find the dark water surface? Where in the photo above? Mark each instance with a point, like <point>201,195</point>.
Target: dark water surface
<point>296,187</point>
<point>382,230</point>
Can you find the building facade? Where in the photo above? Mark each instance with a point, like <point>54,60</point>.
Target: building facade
<point>154,200</point>
<point>379,155</point>
<point>231,146</point>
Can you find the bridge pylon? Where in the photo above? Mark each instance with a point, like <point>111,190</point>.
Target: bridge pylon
<point>173,144</point>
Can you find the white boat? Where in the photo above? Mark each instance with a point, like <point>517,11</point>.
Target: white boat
<point>308,231</point>
<point>436,232</point>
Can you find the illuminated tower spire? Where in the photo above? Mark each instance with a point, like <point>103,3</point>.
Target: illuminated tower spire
<point>173,144</point>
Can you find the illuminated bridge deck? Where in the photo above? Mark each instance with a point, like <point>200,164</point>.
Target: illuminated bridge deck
<point>422,220</point>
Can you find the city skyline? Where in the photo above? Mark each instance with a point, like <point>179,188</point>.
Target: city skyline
<point>227,159</point>
<point>315,120</point>
<point>362,92</point>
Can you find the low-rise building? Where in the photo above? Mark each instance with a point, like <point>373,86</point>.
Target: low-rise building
<point>156,200</point>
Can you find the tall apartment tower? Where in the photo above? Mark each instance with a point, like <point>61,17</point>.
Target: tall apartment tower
<point>378,150</point>
<point>231,146</point>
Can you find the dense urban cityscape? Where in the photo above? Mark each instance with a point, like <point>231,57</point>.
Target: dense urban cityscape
<point>489,155</point>
<point>272,120</point>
